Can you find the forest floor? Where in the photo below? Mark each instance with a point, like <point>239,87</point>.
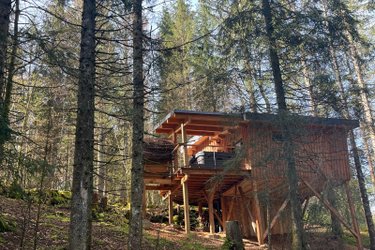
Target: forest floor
<point>112,232</point>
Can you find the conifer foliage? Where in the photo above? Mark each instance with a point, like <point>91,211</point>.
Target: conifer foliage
<point>83,82</point>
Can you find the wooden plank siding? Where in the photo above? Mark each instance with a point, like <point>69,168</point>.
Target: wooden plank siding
<point>257,178</point>
<point>320,153</point>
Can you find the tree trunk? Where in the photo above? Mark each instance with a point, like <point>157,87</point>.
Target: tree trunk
<point>5,9</point>
<point>137,183</point>
<point>250,80</point>
<point>369,154</point>
<point>364,101</point>
<point>357,163</point>
<point>264,96</point>
<point>288,147</point>
<point>234,235</point>
<point>335,223</point>
<point>80,217</point>
<point>12,64</point>
<point>47,149</point>
<point>309,86</point>
<point>101,164</point>
<point>331,195</point>
<point>363,191</point>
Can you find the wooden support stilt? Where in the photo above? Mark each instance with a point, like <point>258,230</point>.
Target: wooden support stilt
<point>200,213</point>
<point>253,224</point>
<point>210,200</point>
<point>185,194</point>
<point>352,213</point>
<point>218,218</point>
<point>305,206</point>
<point>276,217</point>
<point>170,210</point>
<point>258,219</point>
<point>171,192</point>
<point>211,211</point>
<point>175,154</point>
<point>223,212</point>
<point>200,209</point>
<point>229,216</point>
<point>184,141</point>
<point>329,207</point>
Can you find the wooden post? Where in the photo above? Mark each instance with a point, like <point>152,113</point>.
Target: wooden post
<point>200,214</point>
<point>200,209</point>
<point>234,234</point>
<point>332,209</point>
<point>352,213</point>
<point>185,194</point>
<point>175,154</point>
<point>184,141</point>
<point>170,209</point>
<point>276,217</point>
<point>258,218</point>
<point>246,204</point>
<point>211,211</point>
<point>231,208</point>
<point>223,212</point>
<point>305,206</point>
<point>218,218</point>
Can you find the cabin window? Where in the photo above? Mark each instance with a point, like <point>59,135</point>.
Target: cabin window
<point>277,136</point>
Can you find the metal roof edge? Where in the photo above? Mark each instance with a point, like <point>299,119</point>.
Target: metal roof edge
<point>307,119</point>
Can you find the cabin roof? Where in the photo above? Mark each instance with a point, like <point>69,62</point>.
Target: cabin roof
<point>211,123</point>
<point>307,120</point>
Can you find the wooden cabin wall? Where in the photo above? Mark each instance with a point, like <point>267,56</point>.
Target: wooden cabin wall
<point>324,153</point>
<point>264,154</point>
<point>320,152</point>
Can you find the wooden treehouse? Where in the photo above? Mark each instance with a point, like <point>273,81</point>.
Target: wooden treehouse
<point>234,165</point>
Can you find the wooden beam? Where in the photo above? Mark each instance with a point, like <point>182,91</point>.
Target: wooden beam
<point>175,154</point>
<point>329,207</point>
<point>253,224</point>
<point>200,209</point>
<point>185,194</point>
<point>170,210</point>
<point>163,130</point>
<point>193,127</point>
<point>223,211</point>
<point>184,141</point>
<point>276,217</point>
<point>352,213</point>
<point>305,206</point>
<point>175,189</point>
<point>231,208</point>
<point>154,180</point>
<point>211,211</point>
<point>210,171</point>
<point>218,218</point>
<point>159,187</point>
<point>258,217</point>
<point>182,124</point>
